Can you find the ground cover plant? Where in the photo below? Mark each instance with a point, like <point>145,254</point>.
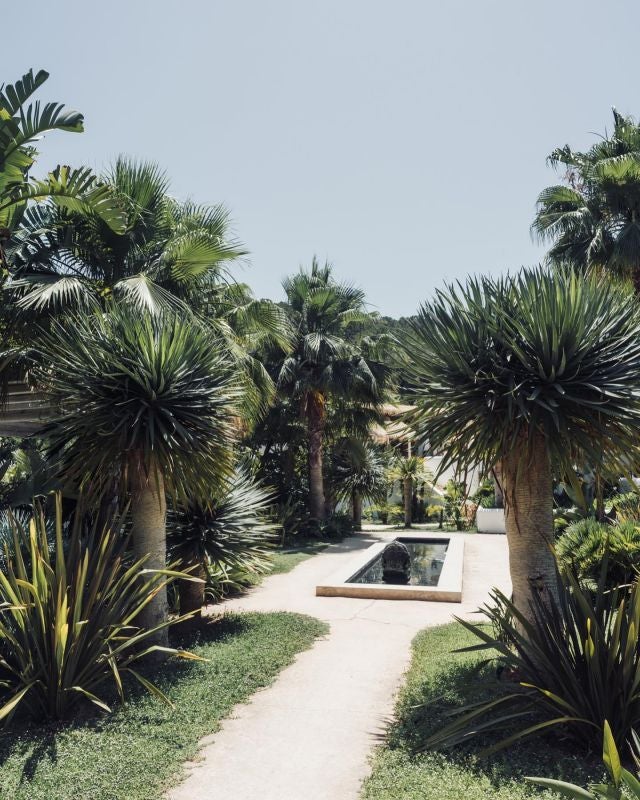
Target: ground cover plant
<point>282,560</point>
<point>435,684</point>
<point>621,782</point>
<point>135,753</point>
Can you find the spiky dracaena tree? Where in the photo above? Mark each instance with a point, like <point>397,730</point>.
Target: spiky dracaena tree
<point>146,409</point>
<point>534,370</point>
<point>324,363</point>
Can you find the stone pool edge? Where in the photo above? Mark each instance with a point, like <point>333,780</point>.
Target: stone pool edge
<point>448,590</point>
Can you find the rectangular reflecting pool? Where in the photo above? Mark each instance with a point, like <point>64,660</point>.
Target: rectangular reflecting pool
<point>432,569</point>
<point>427,559</point>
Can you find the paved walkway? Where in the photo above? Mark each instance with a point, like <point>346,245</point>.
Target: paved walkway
<point>310,735</point>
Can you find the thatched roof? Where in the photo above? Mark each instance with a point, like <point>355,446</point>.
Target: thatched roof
<point>393,429</point>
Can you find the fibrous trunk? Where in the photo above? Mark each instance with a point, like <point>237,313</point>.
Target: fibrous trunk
<point>356,502</point>
<point>529,523</point>
<point>408,499</point>
<point>149,517</point>
<point>315,420</point>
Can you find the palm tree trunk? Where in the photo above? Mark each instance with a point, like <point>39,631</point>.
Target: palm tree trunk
<point>315,421</point>
<point>191,594</point>
<point>149,517</point>
<point>356,502</point>
<point>529,524</point>
<point>408,499</point>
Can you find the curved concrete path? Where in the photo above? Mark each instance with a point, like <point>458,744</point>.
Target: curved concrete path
<point>310,735</point>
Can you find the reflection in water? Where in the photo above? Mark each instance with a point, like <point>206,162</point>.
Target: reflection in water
<point>427,558</point>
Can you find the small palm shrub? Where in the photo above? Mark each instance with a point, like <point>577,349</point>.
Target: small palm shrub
<point>224,543</point>
<point>622,784</point>
<point>584,546</point>
<point>68,615</point>
<point>577,664</point>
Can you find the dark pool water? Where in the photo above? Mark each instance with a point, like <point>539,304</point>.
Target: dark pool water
<point>427,558</point>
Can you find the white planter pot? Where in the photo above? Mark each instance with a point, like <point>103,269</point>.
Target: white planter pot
<point>490,520</point>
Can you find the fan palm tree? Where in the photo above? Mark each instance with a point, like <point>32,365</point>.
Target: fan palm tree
<point>593,219</point>
<point>146,409</point>
<point>536,371</point>
<point>167,256</point>
<point>170,257</point>
<point>358,473</point>
<point>324,363</point>
<point>409,471</point>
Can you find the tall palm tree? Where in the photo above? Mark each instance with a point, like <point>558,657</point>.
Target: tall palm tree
<point>536,371</point>
<point>324,363</point>
<point>593,218</point>
<point>409,471</point>
<point>170,257</point>
<point>167,256</point>
<point>146,408</point>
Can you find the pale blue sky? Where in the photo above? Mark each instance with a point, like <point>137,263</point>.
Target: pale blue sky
<point>405,141</point>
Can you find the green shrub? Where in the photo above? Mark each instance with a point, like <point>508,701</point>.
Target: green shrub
<point>584,545</point>
<point>336,526</point>
<point>67,616</point>
<point>485,495</point>
<point>577,664</point>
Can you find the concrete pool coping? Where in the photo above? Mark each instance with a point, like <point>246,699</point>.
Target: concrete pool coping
<point>448,589</point>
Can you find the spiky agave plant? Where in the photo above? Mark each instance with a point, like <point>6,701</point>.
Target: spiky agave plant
<point>146,409</point>
<point>226,538</point>
<point>70,613</point>
<point>530,370</point>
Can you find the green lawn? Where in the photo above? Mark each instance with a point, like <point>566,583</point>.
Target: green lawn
<point>285,559</point>
<point>433,681</point>
<point>139,750</point>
